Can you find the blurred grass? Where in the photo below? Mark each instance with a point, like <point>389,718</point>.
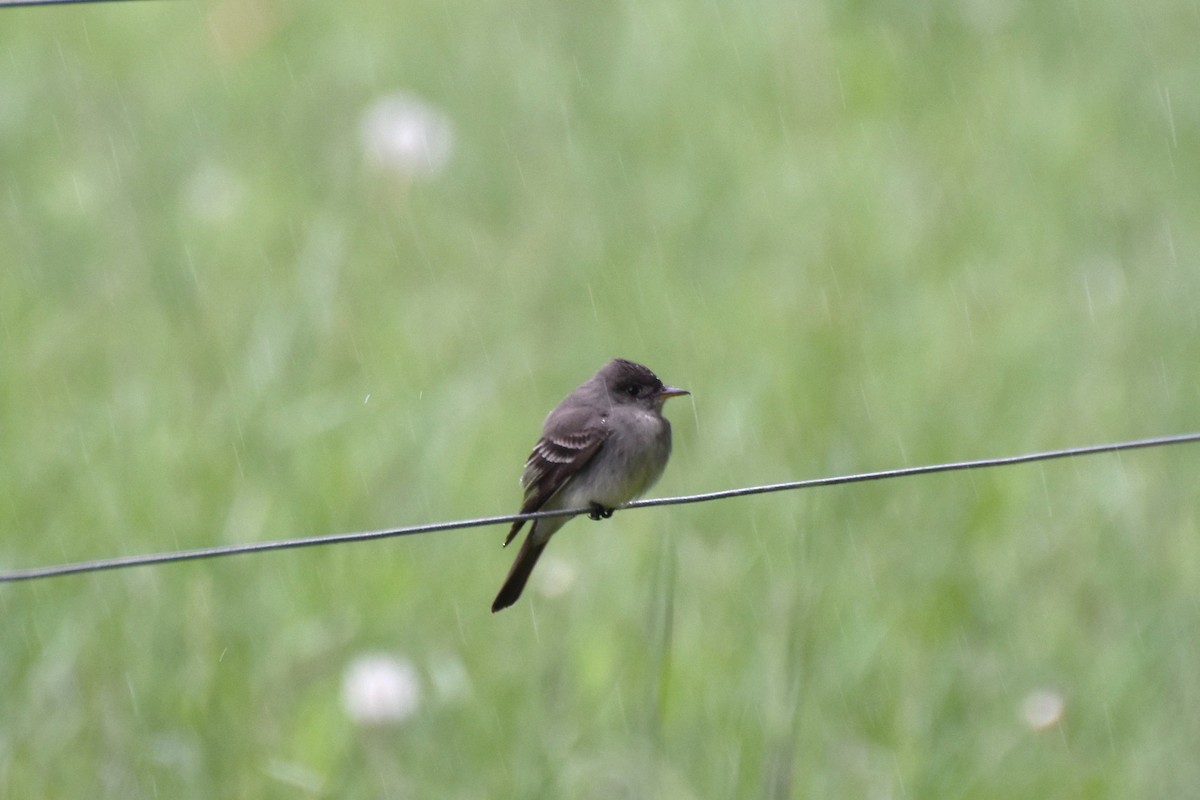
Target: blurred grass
<point>865,236</point>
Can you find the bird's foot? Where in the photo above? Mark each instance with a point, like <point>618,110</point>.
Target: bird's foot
<point>599,512</point>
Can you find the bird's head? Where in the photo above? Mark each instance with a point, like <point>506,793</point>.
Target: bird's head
<point>629,382</point>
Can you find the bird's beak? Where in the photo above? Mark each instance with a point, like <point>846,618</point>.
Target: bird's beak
<point>672,391</point>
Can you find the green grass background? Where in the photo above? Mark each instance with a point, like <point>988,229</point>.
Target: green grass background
<point>865,234</point>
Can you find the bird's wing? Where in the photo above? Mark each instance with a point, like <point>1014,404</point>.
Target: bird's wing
<point>555,459</point>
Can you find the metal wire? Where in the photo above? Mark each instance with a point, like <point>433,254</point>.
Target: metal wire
<point>20,3</point>
<point>121,562</point>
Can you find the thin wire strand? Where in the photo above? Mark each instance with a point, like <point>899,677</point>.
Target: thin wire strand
<point>98,565</point>
<point>26,3</point>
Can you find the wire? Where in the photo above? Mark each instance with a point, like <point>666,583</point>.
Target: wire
<point>20,3</point>
<point>121,562</point>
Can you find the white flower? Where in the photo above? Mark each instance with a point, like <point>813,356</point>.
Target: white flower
<point>379,689</point>
<point>1042,709</point>
<point>404,134</point>
<point>555,578</point>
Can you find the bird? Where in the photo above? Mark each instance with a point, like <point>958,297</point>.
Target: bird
<point>604,445</point>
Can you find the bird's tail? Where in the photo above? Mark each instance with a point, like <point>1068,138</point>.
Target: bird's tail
<point>527,557</point>
<point>514,530</point>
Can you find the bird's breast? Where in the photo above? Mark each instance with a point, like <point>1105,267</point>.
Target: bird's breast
<point>631,461</point>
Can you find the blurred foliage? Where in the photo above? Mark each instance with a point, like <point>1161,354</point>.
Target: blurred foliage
<point>865,235</point>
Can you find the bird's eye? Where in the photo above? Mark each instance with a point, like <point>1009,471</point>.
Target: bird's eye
<point>631,390</point>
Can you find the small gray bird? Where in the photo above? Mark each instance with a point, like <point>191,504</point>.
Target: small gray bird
<point>606,443</point>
